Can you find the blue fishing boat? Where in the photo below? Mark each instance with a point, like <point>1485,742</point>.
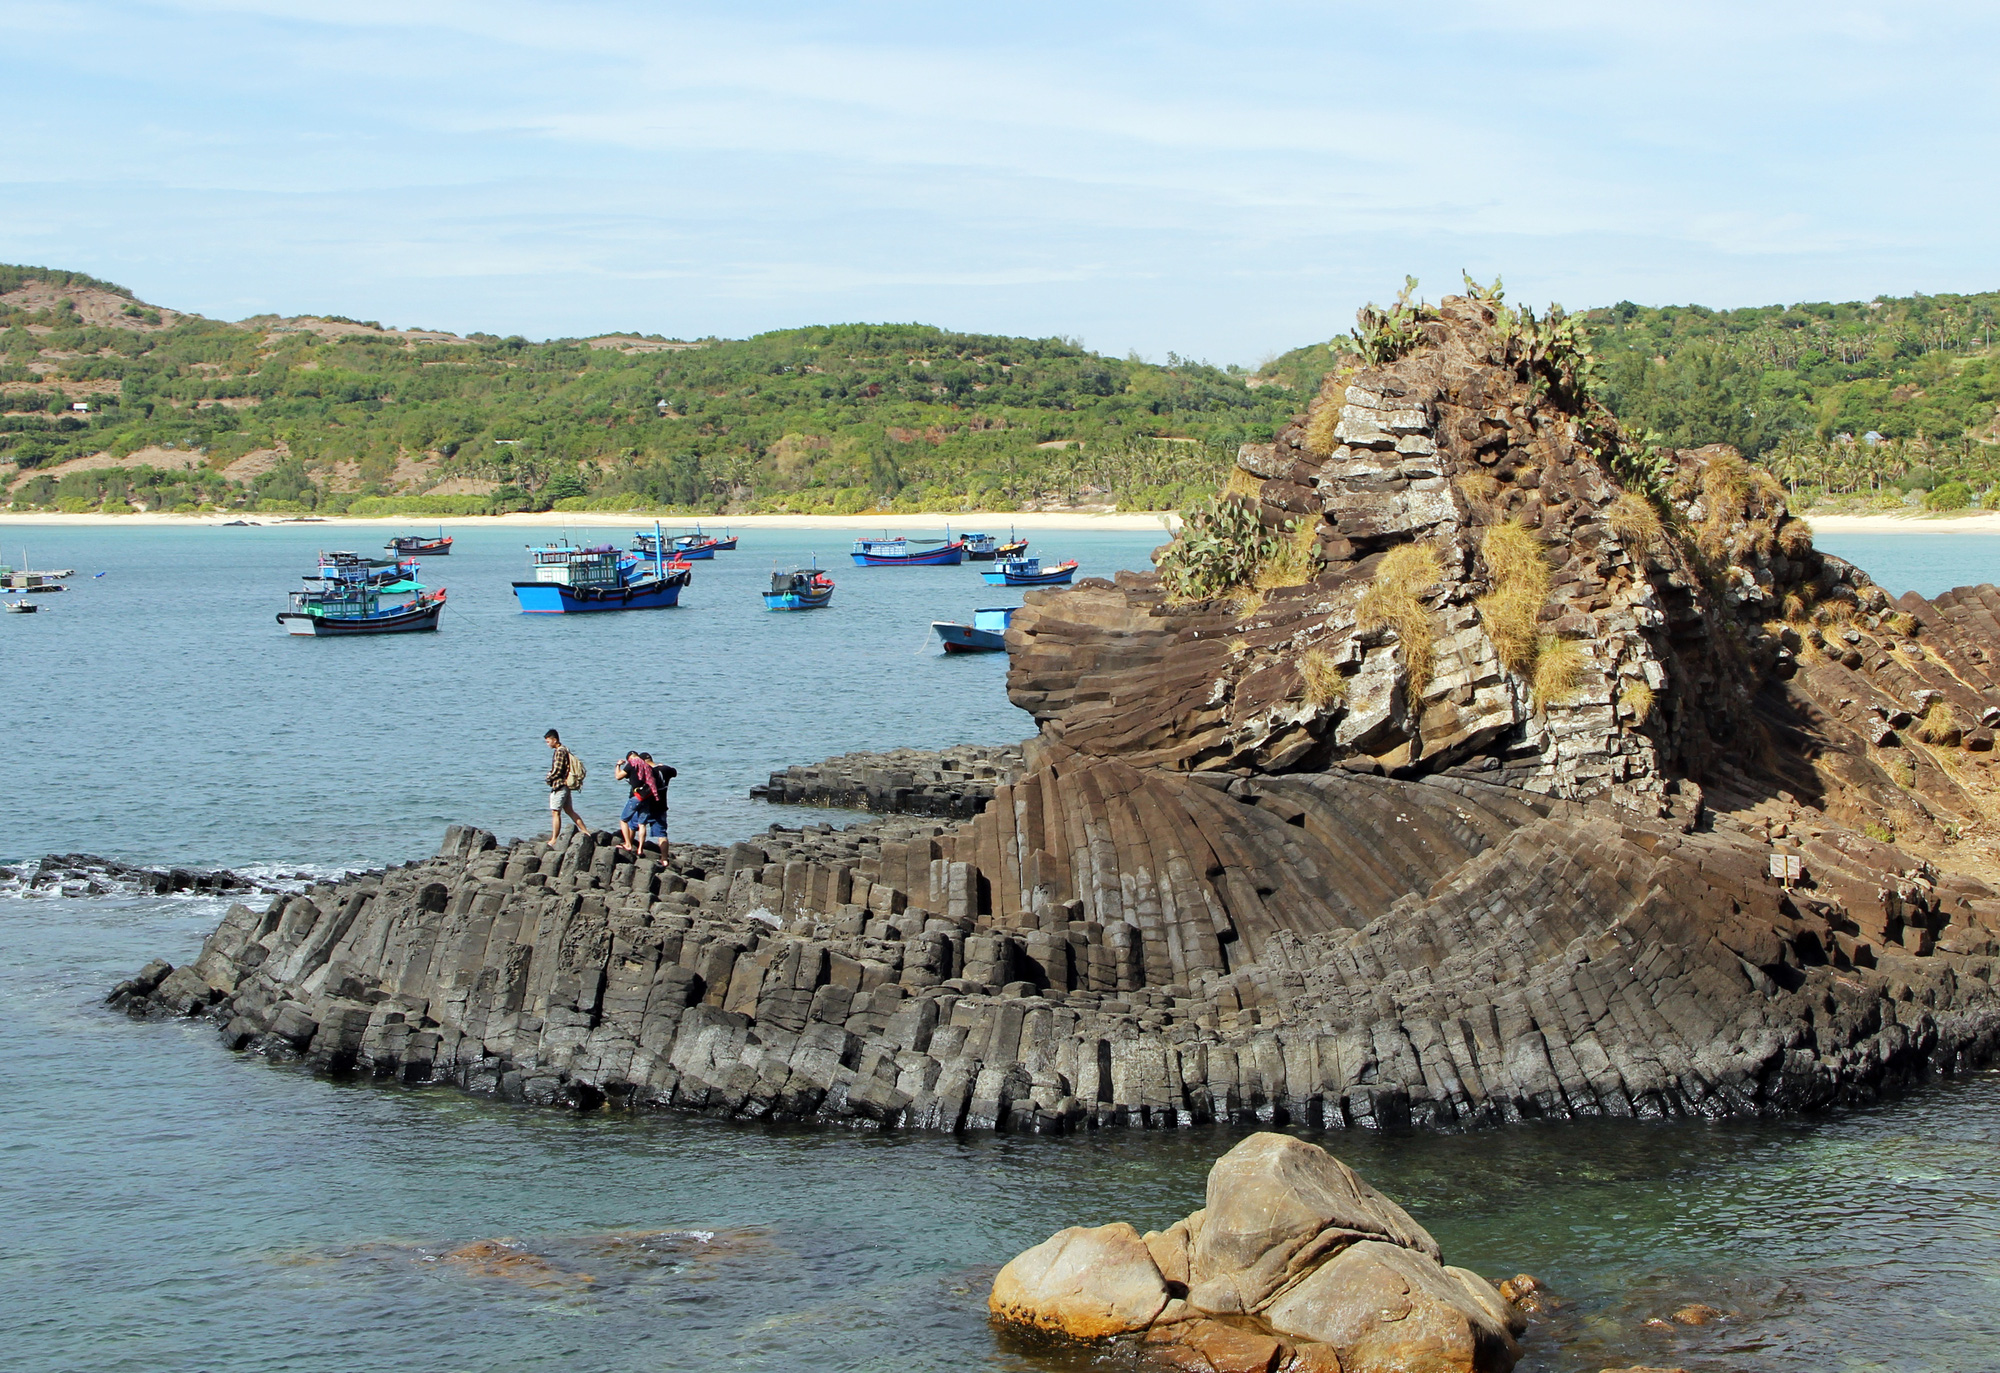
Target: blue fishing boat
<point>807,588</point>
<point>695,547</point>
<point>900,552</point>
<point>986,634</point>
<point>571,580</point>
<point>980,548</point>
<point>350,598</point>
<point>352,567</point>
<point>1029,572</point>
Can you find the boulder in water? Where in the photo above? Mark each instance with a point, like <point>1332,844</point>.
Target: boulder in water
<point>1294,1261</point>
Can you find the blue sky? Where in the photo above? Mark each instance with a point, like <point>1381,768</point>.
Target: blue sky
<point>1223,181</point>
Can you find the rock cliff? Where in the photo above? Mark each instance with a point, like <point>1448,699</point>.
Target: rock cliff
<point>1461,804</point>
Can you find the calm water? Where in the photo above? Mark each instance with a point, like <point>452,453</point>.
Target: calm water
<point>170,1206</point>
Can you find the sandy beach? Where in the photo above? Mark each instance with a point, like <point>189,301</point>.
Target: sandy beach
<point>1970,522</point>
<point>962,521</point>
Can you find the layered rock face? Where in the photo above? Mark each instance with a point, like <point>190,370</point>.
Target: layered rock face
<point>1294,1263</point>
<point>1289,856</point>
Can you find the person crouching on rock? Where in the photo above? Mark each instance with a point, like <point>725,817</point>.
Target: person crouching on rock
<point>636,774</point>
<point>565,776</point>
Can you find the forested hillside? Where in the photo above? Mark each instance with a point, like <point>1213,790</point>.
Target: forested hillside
<point>110,402</point>
<point>336,414</point>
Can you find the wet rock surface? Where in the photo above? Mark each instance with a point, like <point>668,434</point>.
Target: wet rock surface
<point>87,874</point>
<point>954,783</point>
<point>1294,1263</point>
<point>1735,865</point>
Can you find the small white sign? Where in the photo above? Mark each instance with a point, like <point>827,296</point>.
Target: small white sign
<point>1787,867</point>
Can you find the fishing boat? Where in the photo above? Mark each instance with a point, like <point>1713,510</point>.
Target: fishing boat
<point>349,600</point>
<point>693,547</point>
<point>900,552</point>
<point>980,548</point>
<point>986,634</point>
<point>352,567</point>
<point>806,588</point>
<point>21,607</point>
<point>725,544</point>
<point>1029,572</point>
<point>571,580</point>
<point>419,546</point>
<point>1013,548</point>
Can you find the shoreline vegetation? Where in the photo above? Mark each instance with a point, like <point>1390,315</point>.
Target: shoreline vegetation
<point>1877,407</point>
<point>963,520</point>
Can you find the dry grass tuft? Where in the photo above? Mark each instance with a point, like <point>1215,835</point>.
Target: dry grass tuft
<point>1903,623</point>
<point>1326,685</point>
<point>1726,483</point>
<point>1478,487</point>
<point>1558,671</point>
<point>1242,483</point>
<point>1511,612</point>
<point>1395,598</point>
<point>1249,603</point>
<point>1769,487</point>
<point>1938,725</point>
<point>1634,520</point>
<point>1295,561</point>
<point>1794,609</point>
<point>1236,646</point>
<point>1323,416</point>
<point>1795,538</point>
<point>1636,698</point>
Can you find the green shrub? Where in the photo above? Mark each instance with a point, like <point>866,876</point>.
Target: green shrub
<point>1221,545</point>
<point>1952,495</point>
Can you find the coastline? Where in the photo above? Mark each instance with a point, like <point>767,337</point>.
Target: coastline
<point>1971,522</point>
<point>988,521</point>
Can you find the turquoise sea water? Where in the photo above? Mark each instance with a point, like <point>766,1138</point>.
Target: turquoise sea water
<point>170,1206</point>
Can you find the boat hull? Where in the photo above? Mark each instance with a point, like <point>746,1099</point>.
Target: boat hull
<point>727,545</point>
<point>949,556</point>
<point>961,638</point>
<point>415,620</point>
<point>791,600</point>
<point>553,598</point>
<point>1055,576</point>
<point>421,548</point>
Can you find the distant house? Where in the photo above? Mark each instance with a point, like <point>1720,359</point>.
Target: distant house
<point>1871,438</point>
<point>82,406</point>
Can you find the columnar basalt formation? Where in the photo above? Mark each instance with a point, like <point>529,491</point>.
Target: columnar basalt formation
<point>955,783</point>
<point>1284,857</point>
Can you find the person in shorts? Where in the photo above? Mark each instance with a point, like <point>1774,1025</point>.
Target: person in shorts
<point>560,792</point>
<point>632,822</point>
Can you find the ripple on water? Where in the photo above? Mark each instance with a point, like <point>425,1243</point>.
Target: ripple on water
<point>187,1208</point>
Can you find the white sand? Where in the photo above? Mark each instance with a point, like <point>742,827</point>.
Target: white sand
<point>961,521</point>
<point>1971,522</point>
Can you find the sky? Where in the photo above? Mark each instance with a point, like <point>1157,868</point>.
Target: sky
<point>1223,181</point>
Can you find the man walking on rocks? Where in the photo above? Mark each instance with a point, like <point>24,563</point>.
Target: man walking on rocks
<point>565,776</point>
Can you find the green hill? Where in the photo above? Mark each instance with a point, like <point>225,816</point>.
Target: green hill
<point>1894,397</point>
<point>334,414</point>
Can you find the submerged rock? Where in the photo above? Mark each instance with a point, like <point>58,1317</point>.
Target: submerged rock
<point>1296,1263</point>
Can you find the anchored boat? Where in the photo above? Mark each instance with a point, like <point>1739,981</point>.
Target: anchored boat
<point>1029,572</point>
<point>806,588</point>
<point>350,598</point>
<point>899,552</point>
<point>418,546</point>
<point>570,580</point>
<point>986,634</point>
<point>687,547</point>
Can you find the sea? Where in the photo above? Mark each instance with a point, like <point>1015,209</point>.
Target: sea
<point>166,1205</point>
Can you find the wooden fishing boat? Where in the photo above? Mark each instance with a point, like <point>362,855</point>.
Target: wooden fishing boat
<point>352,567</point>
<point>359,610</point>
<point>986,634</point>
<point>1013,548</point>
<point>572,580</point>
<point>980,548</point>
<point>899,552</point>
<point>419,546</point>
<point>806,588</point>
<point>1029,572</point>
<point>695,547</point>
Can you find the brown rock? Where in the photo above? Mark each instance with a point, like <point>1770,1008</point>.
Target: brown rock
<point>1697,1314</point>
<point>1082,1282</point>
<point>1209,1346</point>
<point>1308,1357</point>
<point>1277,1205</point>
<point>1385,1307</point>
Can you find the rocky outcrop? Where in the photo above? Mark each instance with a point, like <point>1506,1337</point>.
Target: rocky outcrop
<point>1294,1263</point>
<point>86,874</point>
<point>1280,856</point>
<point>955,783</point>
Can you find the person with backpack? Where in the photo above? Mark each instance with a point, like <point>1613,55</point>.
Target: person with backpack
<point>653,821</point>
<point>565,776</point>
<point>640,777</point>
